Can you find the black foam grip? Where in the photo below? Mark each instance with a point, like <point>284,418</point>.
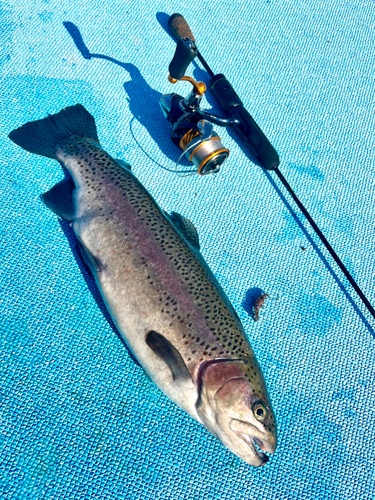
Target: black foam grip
<point>185,53</point>
<point>232,105</point>
<point>179,27</point>
<point>224,92</point>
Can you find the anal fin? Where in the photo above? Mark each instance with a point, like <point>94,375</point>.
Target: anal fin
<point>169,354</point>
<point>93,264</point>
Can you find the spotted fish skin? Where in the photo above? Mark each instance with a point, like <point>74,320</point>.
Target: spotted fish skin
<point>154,279</point>
<point>146,264</point>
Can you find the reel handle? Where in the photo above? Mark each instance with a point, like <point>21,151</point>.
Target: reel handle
<point>185,53</point>
<point>255,139</point>
<point>179,27</point>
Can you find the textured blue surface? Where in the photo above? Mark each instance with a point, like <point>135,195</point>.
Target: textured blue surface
<point>79,419</point>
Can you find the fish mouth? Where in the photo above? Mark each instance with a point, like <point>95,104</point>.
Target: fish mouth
<point>253,444</point>
<point>246,431</point>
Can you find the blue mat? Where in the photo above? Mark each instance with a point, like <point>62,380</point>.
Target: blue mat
<point>79,419</point>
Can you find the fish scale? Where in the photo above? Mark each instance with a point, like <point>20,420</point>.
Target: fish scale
<point>161,294</point>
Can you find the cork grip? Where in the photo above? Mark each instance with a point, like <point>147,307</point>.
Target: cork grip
<point>179,27</point>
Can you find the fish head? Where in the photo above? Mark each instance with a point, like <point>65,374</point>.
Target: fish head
<point>234,405</point>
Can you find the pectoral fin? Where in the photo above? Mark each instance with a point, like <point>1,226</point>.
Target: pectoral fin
<point>169,354</point>
<point>59,199</point>
<point>187,228</point>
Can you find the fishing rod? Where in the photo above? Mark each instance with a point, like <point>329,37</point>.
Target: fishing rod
<point>192,128</point>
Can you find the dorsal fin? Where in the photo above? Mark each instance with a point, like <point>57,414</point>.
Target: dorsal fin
<point>169,354</point>
<point>187,228</point>
<point>123,164</point>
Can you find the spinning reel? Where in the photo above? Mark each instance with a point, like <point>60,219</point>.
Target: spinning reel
<point>192,127</point>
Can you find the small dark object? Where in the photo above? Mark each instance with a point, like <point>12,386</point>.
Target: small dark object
<point>303,248</point>
<point>258,304</point>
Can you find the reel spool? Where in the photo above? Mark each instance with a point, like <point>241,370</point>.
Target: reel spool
<point>207,156</point>
<point>199,143</point>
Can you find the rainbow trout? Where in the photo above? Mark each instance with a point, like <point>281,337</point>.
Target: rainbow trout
<point>163,298</point>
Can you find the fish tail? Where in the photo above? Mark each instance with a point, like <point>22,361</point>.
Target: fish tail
<point>44,137</point>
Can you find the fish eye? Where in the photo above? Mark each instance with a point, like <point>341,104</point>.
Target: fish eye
<point>260,411</point>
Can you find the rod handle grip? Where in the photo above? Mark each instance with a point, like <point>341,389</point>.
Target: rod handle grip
<point>255,139</point>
